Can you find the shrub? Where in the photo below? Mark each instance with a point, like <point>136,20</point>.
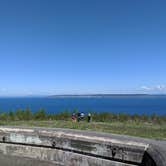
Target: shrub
<point>4,116</point>
<point>27,114</point>
<point>11,115</point>
<point>19,114</point>
<point>40,115</point>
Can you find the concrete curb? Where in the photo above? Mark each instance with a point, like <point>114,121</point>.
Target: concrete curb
<point>80,147</point>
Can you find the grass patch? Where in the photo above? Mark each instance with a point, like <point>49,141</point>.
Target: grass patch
<point>146,130</point>
<point>148,126</point>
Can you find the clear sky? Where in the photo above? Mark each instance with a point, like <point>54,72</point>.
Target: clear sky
<point>82,46</point>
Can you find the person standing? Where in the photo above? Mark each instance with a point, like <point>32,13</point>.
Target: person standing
<point>82,116</point>
<point>73,117</point>
<point>89,117</point>
<point>78,116</point>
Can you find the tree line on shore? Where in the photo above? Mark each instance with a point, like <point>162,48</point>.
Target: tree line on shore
<point>41,114</point>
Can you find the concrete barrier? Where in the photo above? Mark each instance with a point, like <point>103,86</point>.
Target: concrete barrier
<point>44,146</point>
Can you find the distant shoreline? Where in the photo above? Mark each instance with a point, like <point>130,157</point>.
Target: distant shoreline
<point>104,95</point>
<point>83,95</point>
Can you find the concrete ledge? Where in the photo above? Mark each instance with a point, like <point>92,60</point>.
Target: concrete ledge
<point>46,156</point>
<point>80,147</point>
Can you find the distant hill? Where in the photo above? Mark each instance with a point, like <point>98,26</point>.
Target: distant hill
<point>96,95</point>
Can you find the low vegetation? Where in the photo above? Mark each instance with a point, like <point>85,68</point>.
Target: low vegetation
<point>149,126</point>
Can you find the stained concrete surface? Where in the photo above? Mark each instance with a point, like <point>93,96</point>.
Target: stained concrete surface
<point>39,146</point>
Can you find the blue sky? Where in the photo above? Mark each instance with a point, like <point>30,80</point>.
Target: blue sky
<point>82,46</point>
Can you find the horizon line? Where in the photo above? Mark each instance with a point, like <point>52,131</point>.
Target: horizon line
<point>81,94</point>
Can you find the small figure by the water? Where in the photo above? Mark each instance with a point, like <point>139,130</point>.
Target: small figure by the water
<point>78,116</point>
<point>89,117</point>
<point>73,117</point>
<point>82,116</point>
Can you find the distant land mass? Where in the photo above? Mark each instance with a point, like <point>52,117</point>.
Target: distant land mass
<point>96,95</point>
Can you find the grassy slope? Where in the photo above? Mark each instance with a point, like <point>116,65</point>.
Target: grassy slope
<point>147,130</point>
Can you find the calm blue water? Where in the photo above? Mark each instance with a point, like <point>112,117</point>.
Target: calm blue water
<point>127,104</point>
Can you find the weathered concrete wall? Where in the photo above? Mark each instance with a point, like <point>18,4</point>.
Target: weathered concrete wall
<point>43,146</point>
<point>36,156</point>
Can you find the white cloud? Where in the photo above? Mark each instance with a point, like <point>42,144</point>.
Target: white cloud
<point>145,88</point>
<point>154,88</point>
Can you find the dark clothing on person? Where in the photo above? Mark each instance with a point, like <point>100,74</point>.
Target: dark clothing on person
<point>89,118</point>
<point>78,116</point>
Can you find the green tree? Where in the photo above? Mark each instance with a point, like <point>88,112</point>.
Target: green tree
<point>11,115</point>
<point>4,116</point>
<point>154,117</point>
<point>40,114</point>
<point>19,114</point>
<point>27,114</point>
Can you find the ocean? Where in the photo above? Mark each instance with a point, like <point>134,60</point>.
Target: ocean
<point>117,104</point>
